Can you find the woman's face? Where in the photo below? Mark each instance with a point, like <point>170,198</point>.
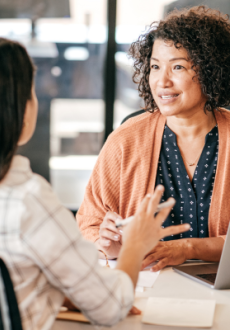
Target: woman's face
<point>173,88</point>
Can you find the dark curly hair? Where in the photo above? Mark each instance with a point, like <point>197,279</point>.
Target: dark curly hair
<point>205,35</point>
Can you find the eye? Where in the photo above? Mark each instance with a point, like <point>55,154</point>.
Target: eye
<point>178,67</point>
<point>154,67</point>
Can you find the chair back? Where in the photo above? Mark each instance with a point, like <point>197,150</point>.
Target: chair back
<point>9,313</point>
<point>133,114</point>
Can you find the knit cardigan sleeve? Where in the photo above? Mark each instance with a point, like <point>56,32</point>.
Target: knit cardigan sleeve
<point>102,191</point>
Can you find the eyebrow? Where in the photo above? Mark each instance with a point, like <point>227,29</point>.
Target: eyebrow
<point>172,59</point>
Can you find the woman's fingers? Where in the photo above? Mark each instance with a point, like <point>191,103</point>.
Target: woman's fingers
<point>160,265</point>
<point>118,216</point>
<point>134,311</point>
<point>144,204</point>
<point>149,204</point>
<point>112,216</point>
<point>108,231</point>
<point>105,242</point>
<point>108,234</point>
<point>110,225</point>
<point>174,230</point>
<point>163,214</point>
<point>155,200</point>
<point>147,261</point>
<point>154,257</point>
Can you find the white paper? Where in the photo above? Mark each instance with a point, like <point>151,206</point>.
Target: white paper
<point>112,263</point>
<point>179,312</point>
<point>146,278</point>
<point>139,289</point>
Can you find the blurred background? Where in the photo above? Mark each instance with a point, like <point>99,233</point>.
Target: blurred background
<point>84,77</point>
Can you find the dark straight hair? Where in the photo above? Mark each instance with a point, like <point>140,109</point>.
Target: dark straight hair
<point>16,79</point>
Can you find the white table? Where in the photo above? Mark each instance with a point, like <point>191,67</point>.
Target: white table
<point>168,284</point>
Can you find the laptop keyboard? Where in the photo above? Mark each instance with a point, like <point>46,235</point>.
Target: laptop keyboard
<point>209,277</point>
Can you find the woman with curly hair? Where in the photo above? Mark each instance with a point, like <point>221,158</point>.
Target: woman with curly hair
<point>182,67</point>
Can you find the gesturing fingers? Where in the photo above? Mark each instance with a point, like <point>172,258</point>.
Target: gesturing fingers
<point>174,230</point>
<point>155,200</point>
<point>163,214</point>
<point>144,204</point>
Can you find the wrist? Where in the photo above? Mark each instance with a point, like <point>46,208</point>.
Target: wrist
<point>133,249</point>
<point>130,260</point>
<point>189,249</point>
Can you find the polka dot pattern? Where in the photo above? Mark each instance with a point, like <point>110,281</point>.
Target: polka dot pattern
<point>193,199</point>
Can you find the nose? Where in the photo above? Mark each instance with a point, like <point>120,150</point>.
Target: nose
<point>164,79</point>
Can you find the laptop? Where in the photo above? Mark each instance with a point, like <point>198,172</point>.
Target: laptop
<point>213,275</point>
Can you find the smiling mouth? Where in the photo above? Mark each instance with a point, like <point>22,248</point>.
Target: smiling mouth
<point>167,97</point>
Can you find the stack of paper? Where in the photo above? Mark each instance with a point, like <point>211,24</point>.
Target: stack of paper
<point>179,312</point>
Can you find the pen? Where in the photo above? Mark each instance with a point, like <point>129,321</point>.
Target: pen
<point>161,206</point>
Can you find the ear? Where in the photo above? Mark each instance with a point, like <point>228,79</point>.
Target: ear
<point>30,118</point>
<point>24,133</point>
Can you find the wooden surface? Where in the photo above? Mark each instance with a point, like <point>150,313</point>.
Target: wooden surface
<point>72,316</point>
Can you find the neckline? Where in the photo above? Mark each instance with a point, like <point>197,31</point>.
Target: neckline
<point>208,139</point>
<point>207,136</point>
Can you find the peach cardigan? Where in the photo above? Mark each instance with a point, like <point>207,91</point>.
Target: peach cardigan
<point>126,171</point>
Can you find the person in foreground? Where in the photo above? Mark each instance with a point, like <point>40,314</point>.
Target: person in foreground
<point>182,67</point>
<point>40,242</point>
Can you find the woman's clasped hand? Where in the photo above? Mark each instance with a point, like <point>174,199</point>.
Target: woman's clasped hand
<point>110,236</point>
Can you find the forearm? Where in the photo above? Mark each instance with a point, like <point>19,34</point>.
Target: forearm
<point>129,261</point>
<point>207,249</point>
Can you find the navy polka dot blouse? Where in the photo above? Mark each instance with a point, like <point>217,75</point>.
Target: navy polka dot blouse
<point>192,198</point>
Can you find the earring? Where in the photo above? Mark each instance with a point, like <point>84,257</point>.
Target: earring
<point>25,124</point>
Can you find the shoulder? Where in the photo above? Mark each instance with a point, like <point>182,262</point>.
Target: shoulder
<point>134,127</point>
<point>222,113</point>
<point>129,140</point>
<point>24,184</point>
<point>223,120</point>
<point>139,122</point>
<point>40,195</point>
<point>41,206</point>
<point>37,185</point>
<point>131,134</point>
